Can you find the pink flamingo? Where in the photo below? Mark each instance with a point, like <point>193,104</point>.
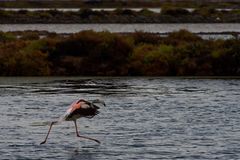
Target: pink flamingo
<point>78,109</point>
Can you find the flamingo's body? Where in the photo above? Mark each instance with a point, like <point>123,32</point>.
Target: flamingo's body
<point>78,109</point>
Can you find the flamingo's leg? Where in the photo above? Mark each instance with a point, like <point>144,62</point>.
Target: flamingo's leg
<point>84,136</point>
<point>48,133</point>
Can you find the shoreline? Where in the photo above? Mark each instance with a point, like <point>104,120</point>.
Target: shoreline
<point>43,34</point>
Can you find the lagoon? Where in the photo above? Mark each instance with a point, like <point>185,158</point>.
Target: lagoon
<point>145,118</point>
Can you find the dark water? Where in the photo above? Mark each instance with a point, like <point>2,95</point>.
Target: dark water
<point>145,118</point>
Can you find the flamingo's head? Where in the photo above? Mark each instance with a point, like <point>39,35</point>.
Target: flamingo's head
<point>98,101</point>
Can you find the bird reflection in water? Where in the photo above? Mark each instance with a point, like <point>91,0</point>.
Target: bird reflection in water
<point>86,154</point>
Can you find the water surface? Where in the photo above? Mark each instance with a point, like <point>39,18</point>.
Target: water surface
<point>145,118</point>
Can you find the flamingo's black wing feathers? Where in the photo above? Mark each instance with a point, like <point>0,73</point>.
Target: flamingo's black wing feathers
<point>87,110</point>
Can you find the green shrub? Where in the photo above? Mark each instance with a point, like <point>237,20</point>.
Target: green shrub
<point>4,13</point>
<point>31,64</point>
<point>85,12</point>
<point>121,11</point>
<point>54,12</point>
<point>17,61</point>
<point>36,45</point>
<point>205,11</point>
<point>22,11</point>
<point>174,11</point>
<point>152,60</point>
<point>45,15</point>
<point>182,36</point>
<point>30,36</point>
<point>5,37</point>
<point>145,37</point>
<point>146,12</point>
<point>106,50</point>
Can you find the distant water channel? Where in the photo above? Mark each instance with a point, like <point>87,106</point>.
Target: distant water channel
<point>156,10</point>
<point>145,118</point>
<point>154,28</point>
<point>215,28</point>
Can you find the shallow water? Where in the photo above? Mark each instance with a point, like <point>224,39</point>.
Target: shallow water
<point>145,118</point>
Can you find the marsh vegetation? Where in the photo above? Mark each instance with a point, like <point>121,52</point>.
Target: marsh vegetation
<point>181,53</point>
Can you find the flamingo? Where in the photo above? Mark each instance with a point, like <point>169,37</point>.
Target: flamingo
<point>78,109</point>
